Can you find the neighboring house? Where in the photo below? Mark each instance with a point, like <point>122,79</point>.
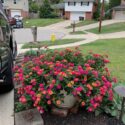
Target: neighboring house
<point>119,11</point>
<point>80,9</point>
<point>16,7</point>
<point>39,2</point>
<point>59,9</point>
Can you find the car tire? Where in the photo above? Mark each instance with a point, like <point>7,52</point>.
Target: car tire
<point>22,25</point>
<point>8,83</point>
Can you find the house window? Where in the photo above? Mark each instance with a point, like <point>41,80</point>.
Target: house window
<point>2,1</point>
<point>84,3</point>
<point>14,1</point>
<point>88,4</point>
<point>71,3</point>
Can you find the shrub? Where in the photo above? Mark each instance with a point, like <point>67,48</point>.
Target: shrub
<point>46,10</point>
<point>83,76</point>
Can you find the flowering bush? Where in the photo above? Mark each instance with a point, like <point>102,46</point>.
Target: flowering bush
<point>44,77</point>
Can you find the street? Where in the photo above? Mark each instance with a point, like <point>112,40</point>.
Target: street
<point>25,35</point>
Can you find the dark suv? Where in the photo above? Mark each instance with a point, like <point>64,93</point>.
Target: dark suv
<point>6,53</point>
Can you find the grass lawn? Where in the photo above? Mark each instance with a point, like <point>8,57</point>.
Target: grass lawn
<point>115,48</point>
<point>83,23</point>
<point>117,27</point>
<point>40,22</point>
<point>77,32</point>
<point>49,43</point>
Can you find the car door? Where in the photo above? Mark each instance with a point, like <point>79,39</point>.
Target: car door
<point>4,44</point>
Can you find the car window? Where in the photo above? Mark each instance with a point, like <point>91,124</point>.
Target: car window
<point>1,32</point>
<point>1,35</point>
<point>4,26</point>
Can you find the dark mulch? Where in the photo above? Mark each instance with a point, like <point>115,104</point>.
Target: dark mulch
<point>82,118</point>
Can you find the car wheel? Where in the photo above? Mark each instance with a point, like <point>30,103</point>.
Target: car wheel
<point>8,83</point>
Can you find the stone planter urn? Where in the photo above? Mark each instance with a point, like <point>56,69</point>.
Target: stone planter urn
<point>67,106</point>
<point>69,101</point>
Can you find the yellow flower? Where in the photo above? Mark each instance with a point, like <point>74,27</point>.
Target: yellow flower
<point>69,85</point>
<point>30,73</point>
<point>58,102</point>
<point>50,92</point>
<point>72,82</point>
<point>82,103</point>
<point>39,95</point>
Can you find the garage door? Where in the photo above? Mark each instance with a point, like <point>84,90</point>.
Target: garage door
<point>120,15</point>
<point>75,15</point>
<point>15,12</point>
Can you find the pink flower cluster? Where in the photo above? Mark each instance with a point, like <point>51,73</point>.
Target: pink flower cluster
<point>44,77</point>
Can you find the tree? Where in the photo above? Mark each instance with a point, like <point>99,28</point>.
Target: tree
<point>45,9</point>
<point>113,3</point>
<point>33,7</point>
<point>56,1</point>
<point>96,14</point>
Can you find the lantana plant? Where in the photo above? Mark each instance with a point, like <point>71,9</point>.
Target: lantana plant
<point>43,77</point>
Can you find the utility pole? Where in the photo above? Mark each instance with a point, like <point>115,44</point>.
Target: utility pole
<point>101,16</point>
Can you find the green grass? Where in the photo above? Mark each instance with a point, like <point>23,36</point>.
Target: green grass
<point>116,27</point>
<point>49,43</point>
<point>77,32</point>
<point>40,22</point>
<point>83,23</point>
<point>115,48</point>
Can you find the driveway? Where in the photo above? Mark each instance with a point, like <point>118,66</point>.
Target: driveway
<point>7,108</point>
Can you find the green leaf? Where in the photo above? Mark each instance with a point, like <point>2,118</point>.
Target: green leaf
<point>114,112</point>
<point>123,118</point>
<point>98,112</point>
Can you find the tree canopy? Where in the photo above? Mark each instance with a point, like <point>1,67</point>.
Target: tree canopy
<point>45,9</point>
<point>55,1</point>
<point>113,3</point>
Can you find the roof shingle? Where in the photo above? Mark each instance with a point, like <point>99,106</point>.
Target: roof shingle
<point>79,0</point>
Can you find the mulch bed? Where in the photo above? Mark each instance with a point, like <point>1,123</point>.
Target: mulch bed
<point>81,118</point>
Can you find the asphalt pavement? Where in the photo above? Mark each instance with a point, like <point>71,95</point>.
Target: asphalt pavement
<point>25,35</point>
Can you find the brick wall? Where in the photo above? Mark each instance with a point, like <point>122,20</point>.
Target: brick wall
<point>123,2</point>
<point>113,14</point>
<point>67,15</point>
<point>88,15</point>
<point>24,14</point>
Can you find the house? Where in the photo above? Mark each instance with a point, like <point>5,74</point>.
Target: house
<point>59,9</point>
<point>119,11</point>
<point>16,7</point>
<point>80,9</point>
<point>38,2</point>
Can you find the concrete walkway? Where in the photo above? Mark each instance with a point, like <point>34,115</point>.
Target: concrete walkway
<point>7,108</point>
<point>61,27</point>
<point>94,25</point>
<point>112,35</point>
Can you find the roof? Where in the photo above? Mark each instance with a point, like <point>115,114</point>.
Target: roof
<point>59,6</point>
<point>121,7</point>
<point>79,0</point>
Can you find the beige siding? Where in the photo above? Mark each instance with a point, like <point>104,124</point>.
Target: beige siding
<point>20,4</point>
<point>119,15</point>
<point>122,2</point>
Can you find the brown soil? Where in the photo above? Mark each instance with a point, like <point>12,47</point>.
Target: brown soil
<point>81,118</point>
